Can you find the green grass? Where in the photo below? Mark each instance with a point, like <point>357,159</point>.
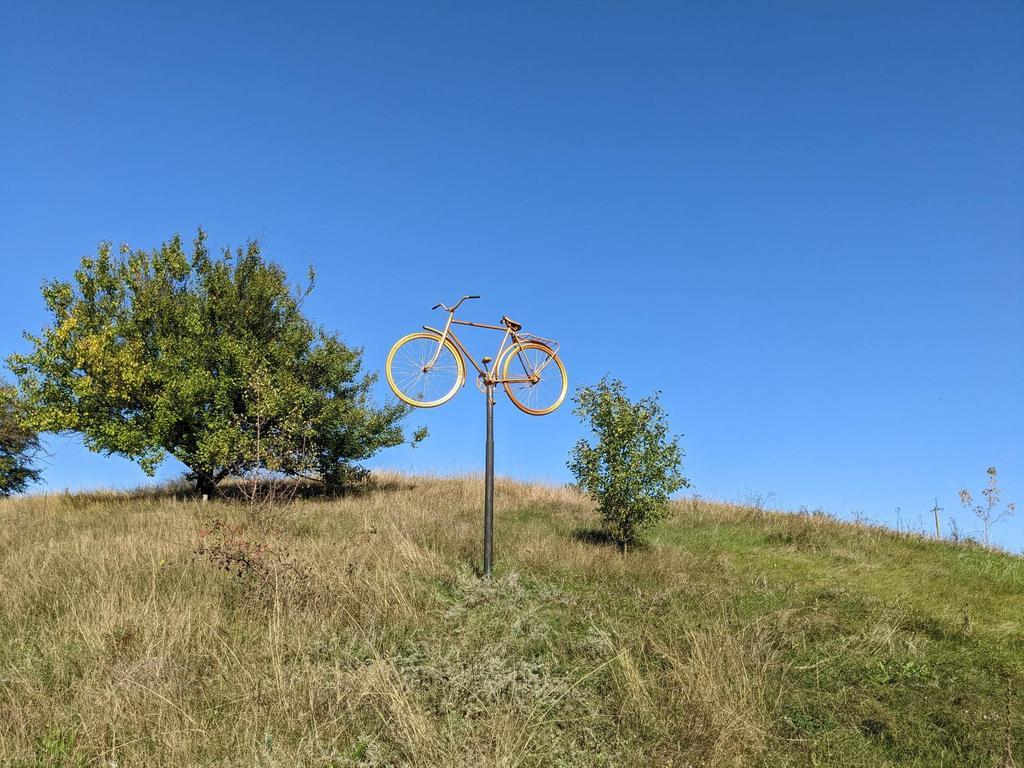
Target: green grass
<point>361,635</point>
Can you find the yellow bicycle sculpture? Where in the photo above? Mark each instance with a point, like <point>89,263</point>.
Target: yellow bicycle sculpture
<point>426,368</point>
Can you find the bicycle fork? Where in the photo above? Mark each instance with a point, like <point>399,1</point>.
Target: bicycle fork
<point>440,346</point>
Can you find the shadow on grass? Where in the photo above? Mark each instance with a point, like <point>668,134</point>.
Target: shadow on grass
<point>596,536</point>
<point>297,488</point>
<point>238,489</point>
<point>599,537</point>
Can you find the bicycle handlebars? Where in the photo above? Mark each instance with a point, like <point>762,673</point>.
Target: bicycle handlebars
<point>452,309</point>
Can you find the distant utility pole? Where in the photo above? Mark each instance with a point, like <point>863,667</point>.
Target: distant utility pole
<point>936,509</point>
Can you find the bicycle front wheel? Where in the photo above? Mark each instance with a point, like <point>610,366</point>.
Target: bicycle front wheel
<point>415,379</point>
<point>534,378</point>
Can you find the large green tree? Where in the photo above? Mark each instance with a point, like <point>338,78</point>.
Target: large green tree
<point>207,358</point>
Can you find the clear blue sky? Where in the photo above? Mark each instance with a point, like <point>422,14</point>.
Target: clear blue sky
<point>802,222</point>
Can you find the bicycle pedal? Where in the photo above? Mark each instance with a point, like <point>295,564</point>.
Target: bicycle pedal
<point>486,360</point>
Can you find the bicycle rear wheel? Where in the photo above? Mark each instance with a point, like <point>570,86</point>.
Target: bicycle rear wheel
<point>414,380</point>
<point>534,378</point>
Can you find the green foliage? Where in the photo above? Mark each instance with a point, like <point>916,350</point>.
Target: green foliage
<point>634,465</point>
<point>19,445</point>
<point>208,359</point>
<point>59,748</point>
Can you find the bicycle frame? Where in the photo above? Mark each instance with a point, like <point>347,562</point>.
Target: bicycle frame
<point>487,373</point>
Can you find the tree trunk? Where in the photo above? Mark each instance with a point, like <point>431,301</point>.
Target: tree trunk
<point>206,484</point>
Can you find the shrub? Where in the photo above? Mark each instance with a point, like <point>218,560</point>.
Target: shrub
<point>19,445</point>
<point>988,513</point>
<point>634,465</point>
<point>265,566</point>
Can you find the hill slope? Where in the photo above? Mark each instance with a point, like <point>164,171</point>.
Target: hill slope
<point>358,634</point>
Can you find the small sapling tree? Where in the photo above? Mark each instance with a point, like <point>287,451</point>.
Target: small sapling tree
<point>633,466</point>
<point>19,445</point>
<point>157,353</point>
<point>988,513</point>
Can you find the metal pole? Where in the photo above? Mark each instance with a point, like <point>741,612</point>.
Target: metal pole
<point>489,483</point>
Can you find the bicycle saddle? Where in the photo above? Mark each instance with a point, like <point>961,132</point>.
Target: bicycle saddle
<point>511,323</point>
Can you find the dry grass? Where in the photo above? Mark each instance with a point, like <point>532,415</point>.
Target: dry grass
<point>736,638</point>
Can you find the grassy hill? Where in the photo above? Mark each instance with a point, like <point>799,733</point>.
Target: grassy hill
<point>357,634</point>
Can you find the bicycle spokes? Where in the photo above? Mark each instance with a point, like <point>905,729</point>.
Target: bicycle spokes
<point>415,379</point>
<point>534,378</point>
